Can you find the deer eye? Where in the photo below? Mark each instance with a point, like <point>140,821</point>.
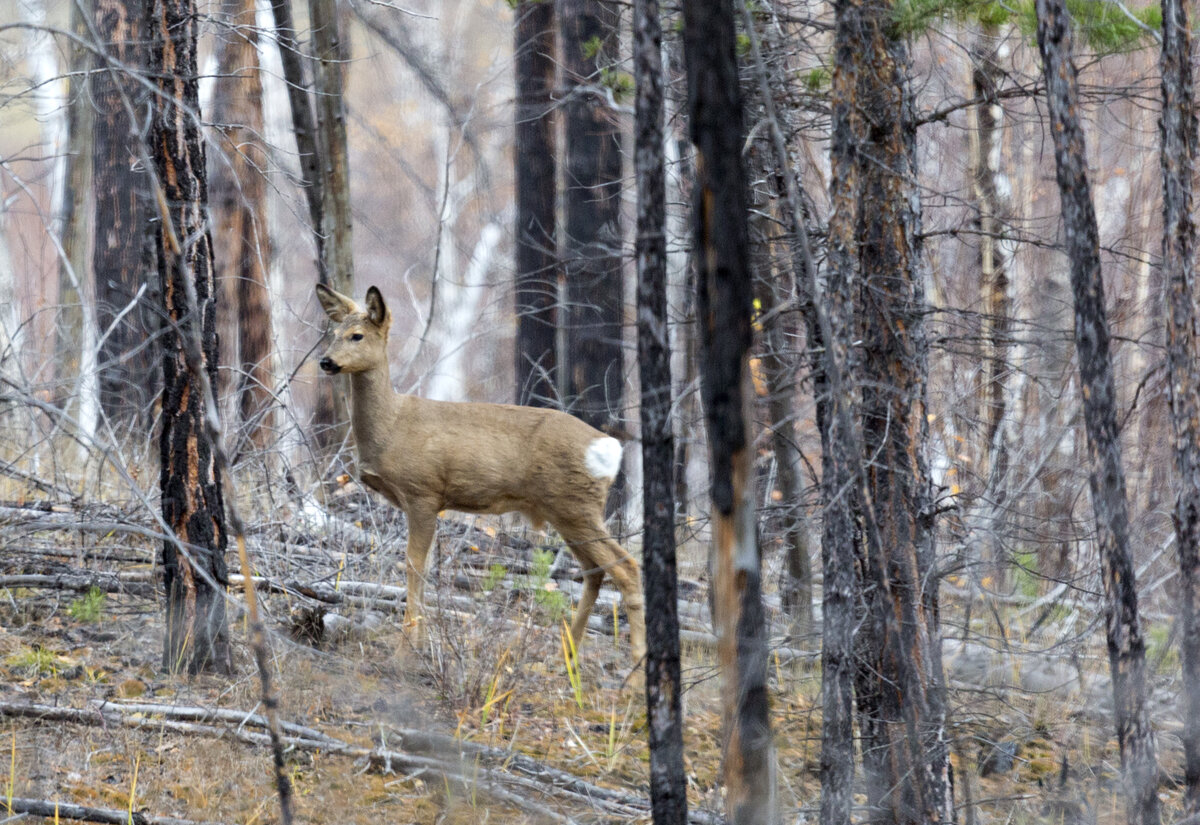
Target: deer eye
<point>358,336</point>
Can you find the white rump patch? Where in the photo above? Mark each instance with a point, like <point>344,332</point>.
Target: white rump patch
<point>603,457</point>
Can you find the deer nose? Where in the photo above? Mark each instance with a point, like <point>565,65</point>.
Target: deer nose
<point>328,365</point>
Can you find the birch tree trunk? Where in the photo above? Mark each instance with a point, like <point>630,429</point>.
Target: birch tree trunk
<point>537,270</point>
<point>1126,648</point>
<point>724,300</point>
<point>1178,158</point>
<point>194,558</point>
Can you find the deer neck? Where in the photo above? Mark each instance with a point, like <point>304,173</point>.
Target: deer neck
<point>371,402</point>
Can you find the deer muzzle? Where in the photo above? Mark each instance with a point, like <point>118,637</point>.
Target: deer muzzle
<point>329,365</point>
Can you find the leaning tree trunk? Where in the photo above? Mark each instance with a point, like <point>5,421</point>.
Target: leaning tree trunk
<point>668,782</point>
<point>239,188</point>
<point>194,557</point>
<point>1178,157</point>
<point>128,374</point>
<point>536,280</point>
<point>592,208</point>
<point>1126,648</point>
<point>724,300</point>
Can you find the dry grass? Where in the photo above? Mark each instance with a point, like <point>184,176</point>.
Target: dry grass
<point>490,671</point>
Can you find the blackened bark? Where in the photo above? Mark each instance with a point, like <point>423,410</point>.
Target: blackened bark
<point>668,782</point>
<point>303,124</point>
<point>840,503</point>
<point>536,240</point>
<point>876,408</point>
<point>1178,157</point>
<point>901,700</point>
<point>239,188</point>
<point>591,244</point>
<point>1126,648</point>
<point>724,302</point>
<point>197,635</point>
<point>128,374</point>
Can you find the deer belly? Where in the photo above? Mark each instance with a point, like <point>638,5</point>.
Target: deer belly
<point>376,483</point>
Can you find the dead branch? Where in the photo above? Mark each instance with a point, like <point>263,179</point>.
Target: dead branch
<point>525,791</point>
<point>69,810</point>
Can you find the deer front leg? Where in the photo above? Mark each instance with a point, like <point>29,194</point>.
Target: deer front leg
<point>422,526</point>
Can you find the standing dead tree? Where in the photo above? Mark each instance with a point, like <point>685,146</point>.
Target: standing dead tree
<point>1178,159</point>
<point>591,243</point>
<point>724,300</point>
<point>194,568</point>
<point>239,194</point>
<point>536,243</point>
<point>664,690</point>
<point>1126,647</point>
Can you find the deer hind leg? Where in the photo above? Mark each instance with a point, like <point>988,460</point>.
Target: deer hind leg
<point>600,555</point>
<point>422,525</point>
<point>592,580</point>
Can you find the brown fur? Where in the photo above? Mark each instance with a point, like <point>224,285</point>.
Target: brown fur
<point>425,456</point>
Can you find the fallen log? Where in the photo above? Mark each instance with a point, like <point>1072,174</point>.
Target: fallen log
<point>55,810</point>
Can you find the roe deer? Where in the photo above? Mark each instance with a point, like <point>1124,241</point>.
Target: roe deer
<point>426,456</point>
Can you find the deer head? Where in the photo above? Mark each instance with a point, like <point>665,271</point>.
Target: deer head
<point>358,339</point>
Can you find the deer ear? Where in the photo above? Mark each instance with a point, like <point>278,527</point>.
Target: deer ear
<point>336,305</point>
<point>377,311</point>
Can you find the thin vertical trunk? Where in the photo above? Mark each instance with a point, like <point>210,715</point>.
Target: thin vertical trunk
<point>536,242</point>
<point>995,213</point>
<point>668,783</point>
<point>239,196</point>
<point>591,207</point>
<point>1126,648</point>
<point>337,267</point>
<point>724,301</point>
<point>303,124</point>
<point>194,558</point>
<point>1178,157</point>
<point>128,374</point>
<point>75,345</point>
<point>778,364</point>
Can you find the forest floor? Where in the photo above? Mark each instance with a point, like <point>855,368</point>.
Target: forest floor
<point>481,721</point>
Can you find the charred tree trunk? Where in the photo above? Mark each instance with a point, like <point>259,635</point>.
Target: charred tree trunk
<point>128,379</point>
<point>1178,157</point>
<point>668,783</point>
<point>239,189</point>
<point>724,300</point>
<point>899,686</point>
<point>194,558</point>
<point>536,230</point>
<point>1126,648</point>
<point>591,206</point>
